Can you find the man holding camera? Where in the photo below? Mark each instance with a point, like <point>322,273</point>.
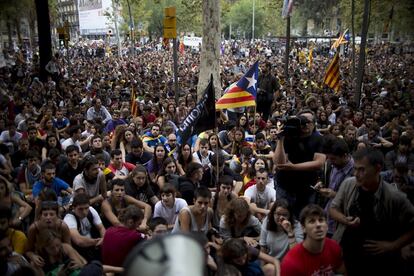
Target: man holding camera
<point>298,159</point>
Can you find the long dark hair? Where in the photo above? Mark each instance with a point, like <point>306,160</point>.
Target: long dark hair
<point>181,160</point>
<point>271,223</point>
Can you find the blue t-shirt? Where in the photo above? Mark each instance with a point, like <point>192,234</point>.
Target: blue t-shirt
<point>57,186</point>
<point>59,124</point>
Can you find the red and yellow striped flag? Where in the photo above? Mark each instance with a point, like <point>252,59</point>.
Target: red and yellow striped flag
<point>340,40</point>
<point>332,74</point>
<point>310,58</point>
<point>134,105</point>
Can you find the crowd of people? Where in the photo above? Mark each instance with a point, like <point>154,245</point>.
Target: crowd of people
<point>307,183</point>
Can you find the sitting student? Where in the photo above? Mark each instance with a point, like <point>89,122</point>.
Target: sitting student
<point>197,217</point>
<point>49,181</point>
<point>71,168</point>
<point>188,183</point>
<point>17,238</point>
<point>158,226</point>
<point>137,154</point>
<point>238,222</point>
<point>118,168</point>
<point>118,201</point>
<point>29,174</point>
<point>20,209</point>
<point>10,260</point>
<point>57,257</point>
<point>222,198</point>
<point>237,253</point>
<point>320,254</point>
<point>85,227</point>
<point>48,220</point>
<point>280,231</point>
<point>202,156</point>
<point>120,239</point>
<point>169,207</point>
<point>260,196</point>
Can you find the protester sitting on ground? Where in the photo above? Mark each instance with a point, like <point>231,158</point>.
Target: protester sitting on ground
<point>169,206</point>
<point>57,256</point>
<point>20,208</point>
<point>222,197</point>
<point>18,239</point>
<point>119,168</point>
<point>185,157</point>
<point>154,166</point>
<point>137,154</point>
<point>237,253</point>
<point>197,217</point>
<point>158,226</point>
<point>49,220</point>
<point>168,173</point>
<point>280,230</point>
<point>117,201</point>
<point>138,186</point>
<point>120,239</point>
<point>238,222</point>
<point>11,262</point>
<point>91,182</point>
<point>86,228</point>
<point>260,196</point>
<point>187,184</point>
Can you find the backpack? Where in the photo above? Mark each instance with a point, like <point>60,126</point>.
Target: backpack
<point>94,230</point>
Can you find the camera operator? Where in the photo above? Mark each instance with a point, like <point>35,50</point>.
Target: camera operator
<point>298,159</point>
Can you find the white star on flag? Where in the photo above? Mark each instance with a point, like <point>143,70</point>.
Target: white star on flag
<point>252,82</point>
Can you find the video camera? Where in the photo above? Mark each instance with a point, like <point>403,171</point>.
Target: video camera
<point>293,125</point>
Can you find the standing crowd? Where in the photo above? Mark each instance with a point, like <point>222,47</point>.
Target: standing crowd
<point>306,183</point>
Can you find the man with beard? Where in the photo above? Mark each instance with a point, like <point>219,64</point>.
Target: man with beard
<point>91,181</point>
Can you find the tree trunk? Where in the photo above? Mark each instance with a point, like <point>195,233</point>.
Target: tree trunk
<point>361,61</point>
<point>45,41</point>
<point>353,40</point>
<point>32,28</point>
<point>9,32</point>
<point>19,35</point>
<point>210,49</point>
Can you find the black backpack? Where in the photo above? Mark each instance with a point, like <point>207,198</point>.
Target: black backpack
<point>94,230</point>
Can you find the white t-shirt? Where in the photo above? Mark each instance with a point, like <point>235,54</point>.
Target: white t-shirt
<point>85,228</point>
<point>69,142</point>
<point>262,199</point>
<point>170,214</point>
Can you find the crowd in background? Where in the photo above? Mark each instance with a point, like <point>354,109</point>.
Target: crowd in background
<point>308,181</point>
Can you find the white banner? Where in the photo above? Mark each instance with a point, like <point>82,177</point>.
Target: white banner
<point>92,19</point>
<point>193,41</point>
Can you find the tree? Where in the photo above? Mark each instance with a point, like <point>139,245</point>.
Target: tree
<point>210,50</point>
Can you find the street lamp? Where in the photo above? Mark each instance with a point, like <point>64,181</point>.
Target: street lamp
<point>253,21</point>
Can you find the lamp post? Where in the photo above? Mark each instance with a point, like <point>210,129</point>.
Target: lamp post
<point>253,20</point>
<point>131,28</point>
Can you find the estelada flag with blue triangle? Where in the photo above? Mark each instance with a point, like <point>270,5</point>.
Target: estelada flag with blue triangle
<point>241,93</point>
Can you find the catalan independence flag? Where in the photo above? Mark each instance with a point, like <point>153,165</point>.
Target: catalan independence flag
<point>332,74</point>
<point>134,105</point>
<point>241,93</point>
<point>340,40</point>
